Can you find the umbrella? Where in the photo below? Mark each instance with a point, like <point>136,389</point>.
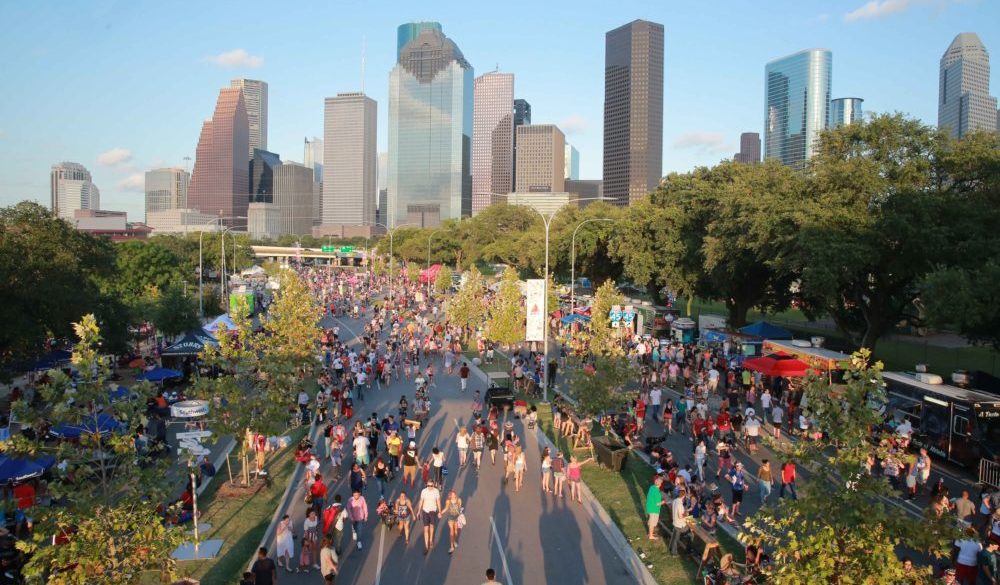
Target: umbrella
<point>102,424</point>
<point>159,375</point>
<point>137,363</point>
<point>116,393</point>
<point>777,364</point>
<point>17,470</point>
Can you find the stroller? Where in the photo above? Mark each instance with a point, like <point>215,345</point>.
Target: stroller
<point>386,514</point>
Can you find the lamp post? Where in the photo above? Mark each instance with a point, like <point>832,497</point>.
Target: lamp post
<point>389,232</point>
<point>429,238</point>
<point>547,222</point>
<point>572,264</point>
<point>201,233</point>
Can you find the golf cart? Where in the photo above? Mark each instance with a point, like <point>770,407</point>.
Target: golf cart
<point>499,393</point>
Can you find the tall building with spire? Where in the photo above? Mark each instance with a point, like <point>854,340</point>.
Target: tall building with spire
<point>633,111</point>
<point>220,180</point>
<point>797,104</point>
<point>430,132</point>
<point>255,100</point>
<point>964,100</point>
<point>492,138</point>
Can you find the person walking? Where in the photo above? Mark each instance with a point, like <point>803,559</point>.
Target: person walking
<point>678,519</point>
<point>788,480</point>
<point>655,395</point>
<point>546,470</point>
<point>285,544</point>
<point>764,480</point>
<point>437,466</point>
<point>462,441</point>
<point>310,541</point>
<point>520,464</point>
<point>737,478</point>
<point>334,517</point>
<point>654,502</point>
<point>430,506</point>
<point>453,513</point>
<point>357,509</point>
<point>317,492</point>
<point>327,560</point>
<point>381,473</point>
<point>574,476</point>
<point>558,474</point>
<point>410,463</point>
<point>264,569</point>
<point>404,514</point>
<point>491,577</point>
<point>478,444</point>
<point>463,375</point>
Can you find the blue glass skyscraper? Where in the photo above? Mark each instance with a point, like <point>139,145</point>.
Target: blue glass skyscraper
<point>411,30</point>
<point>797,97</point>
<point>430,132</point>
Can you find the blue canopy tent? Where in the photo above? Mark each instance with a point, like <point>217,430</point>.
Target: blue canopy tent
<point>765,330</point>
<point>158,375</point>
<point>116,393</point>
<point>16,470</point>
<point>191,344</point>
<point>52,359</point>
<point>715,336</point>
<point>102,424</point>
<point>575,318</point>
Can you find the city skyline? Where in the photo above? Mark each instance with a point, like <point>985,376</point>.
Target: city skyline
<point>889,59</point>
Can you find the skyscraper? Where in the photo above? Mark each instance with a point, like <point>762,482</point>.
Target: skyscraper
<point>312,157</point>
<point>71,189</point>
<point>411,30</point>
<point>492,138</point>
<point>262,167</point>
<point>749,148</point>
<point>797,109</point>
<point>220,180</point>
<point>255,100</point>
<point>350,160</point>
<point>844,111</point>
<point>430,132</point>
<point>633,111</point>
<point>166,189</point>
<point>572,162</point>
<point>541,157</point>
<point>964,100</point>
<point>522,116</point>
<point>293,196</point>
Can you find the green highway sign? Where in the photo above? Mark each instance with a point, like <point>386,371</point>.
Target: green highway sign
<point>329,249</point>
<point>347,249</point>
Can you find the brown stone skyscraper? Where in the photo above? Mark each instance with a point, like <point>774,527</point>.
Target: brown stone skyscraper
<point>220,181</point>
<point>492,138</point>
<point>633,111</point>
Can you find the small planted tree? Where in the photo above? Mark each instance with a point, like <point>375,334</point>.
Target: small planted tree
<point>599,387</point>
<point>467,309</point>
<point>603,338</point>
<point>507,315</point>
<point>444,280</point>
<point>840,530</point>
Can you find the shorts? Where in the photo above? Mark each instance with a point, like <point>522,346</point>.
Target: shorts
<point>966,573</point>
<point>559,474</point>
<point>465,382</point>
<point>737,496</point>
<point>361,458</point>
<point>429,517</point>
<point>654,520</point>
<point>751,440</point>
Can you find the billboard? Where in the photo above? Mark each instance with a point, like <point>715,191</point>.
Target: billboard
<point>535,307</point>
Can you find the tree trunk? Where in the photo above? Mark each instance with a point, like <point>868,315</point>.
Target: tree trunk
<point>737,312</point>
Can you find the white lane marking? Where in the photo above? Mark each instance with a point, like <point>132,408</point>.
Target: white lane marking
<point>503,555</point>
<point>348,327</point>
<point>381,543</point>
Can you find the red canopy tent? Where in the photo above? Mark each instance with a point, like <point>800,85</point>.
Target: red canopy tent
<point>777,364</point>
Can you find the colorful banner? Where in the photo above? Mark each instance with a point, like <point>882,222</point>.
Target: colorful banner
<point>535,304</point>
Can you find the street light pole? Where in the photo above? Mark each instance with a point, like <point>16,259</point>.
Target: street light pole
<point>547,222</point>
<point>201,234</point>
<point>572,264</point>
<point>389,231</point>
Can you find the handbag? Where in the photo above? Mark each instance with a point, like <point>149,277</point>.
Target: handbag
<point>460,521</point>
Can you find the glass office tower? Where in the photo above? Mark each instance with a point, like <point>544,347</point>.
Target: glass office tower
<point>411,30</point>
<point>797,97</point>
<point>844,111</point>
<point>430,133</point>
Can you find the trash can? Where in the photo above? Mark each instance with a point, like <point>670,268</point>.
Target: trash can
<point>610,453</point>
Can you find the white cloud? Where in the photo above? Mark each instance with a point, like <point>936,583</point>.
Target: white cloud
<point>136,183</point>
<point>710,142</point>
<point>573,124</point>
<point>236,59</point>
<point>882,8</point>
<point>114,157</point>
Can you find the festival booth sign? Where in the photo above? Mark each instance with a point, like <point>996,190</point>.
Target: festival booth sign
<point>192,343</point>
<point>15,470</point>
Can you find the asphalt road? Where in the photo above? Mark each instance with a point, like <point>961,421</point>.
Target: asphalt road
<point>527,537</point>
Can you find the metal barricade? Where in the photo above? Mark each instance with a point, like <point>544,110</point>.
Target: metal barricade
<point>989,474</point>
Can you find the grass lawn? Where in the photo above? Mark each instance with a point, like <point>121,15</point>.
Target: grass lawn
<point>240,522</point>
<point>623,496</point>
<point>501,363</point>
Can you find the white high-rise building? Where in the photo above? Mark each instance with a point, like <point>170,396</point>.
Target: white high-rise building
<point>166,189</point>
<point>350,160</point>
<point>255,98</point>
<point>964,100</point>
<point>71,189</point>
<point>492,138</point>
<point>572,162</point>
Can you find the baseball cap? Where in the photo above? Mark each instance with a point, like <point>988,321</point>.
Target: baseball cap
<point>413,444</point>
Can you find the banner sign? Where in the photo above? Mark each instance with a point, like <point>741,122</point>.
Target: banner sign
<point>534,294</point>
<point>189,409</point>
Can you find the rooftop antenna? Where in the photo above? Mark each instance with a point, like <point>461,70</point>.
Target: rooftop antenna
<point>363,64</point>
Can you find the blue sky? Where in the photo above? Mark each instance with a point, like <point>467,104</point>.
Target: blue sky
<point>133,80</point>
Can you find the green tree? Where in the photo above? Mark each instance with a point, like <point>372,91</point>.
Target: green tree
<point>600,387</point>
<point>265,370</point>
<point>108,489</point>
<point>413,271</point>
<point>467,309</point>
<point>965,299</point>
<point>871,224</point>
<point>175,312</point>
<point>840,529</point>
<point>50,276</point>
<point>505,324</point>
<point>443,281</point>
<point>144,264</point>
<point>602,338</point>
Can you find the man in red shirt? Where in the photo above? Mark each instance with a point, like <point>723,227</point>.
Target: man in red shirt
<point>463,375</point>
<point>788,479</point>
<point>318,491</point>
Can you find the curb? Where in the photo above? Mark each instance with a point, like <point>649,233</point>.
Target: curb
<point>285,500</point>
<point>610,531</point>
